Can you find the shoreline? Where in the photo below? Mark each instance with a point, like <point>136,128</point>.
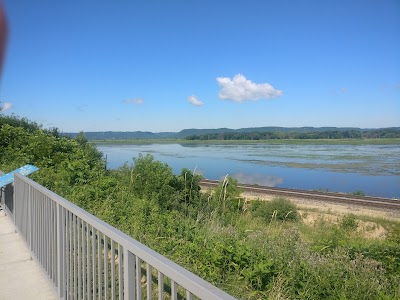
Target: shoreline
<point>383,141</point>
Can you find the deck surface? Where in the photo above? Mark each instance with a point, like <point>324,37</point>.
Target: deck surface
<point>20,276</point>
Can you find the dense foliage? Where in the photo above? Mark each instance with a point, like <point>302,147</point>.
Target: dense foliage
<point>252,250</point>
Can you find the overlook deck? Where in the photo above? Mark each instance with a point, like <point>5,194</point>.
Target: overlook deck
<point>20,276</point>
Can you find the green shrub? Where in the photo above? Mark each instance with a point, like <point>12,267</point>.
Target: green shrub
<point>279,209</point>
<point>358,193</point>
<point>349,222</point>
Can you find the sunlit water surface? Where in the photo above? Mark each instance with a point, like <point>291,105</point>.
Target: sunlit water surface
<point>373,169</point>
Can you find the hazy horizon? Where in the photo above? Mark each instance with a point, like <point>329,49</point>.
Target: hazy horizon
<point>233,129</point>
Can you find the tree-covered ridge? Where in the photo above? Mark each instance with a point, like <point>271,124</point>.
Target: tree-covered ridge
<point>313,134</point>
<point>258,133</point>
<point>257,250</point>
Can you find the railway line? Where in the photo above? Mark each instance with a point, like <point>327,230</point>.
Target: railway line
<point>376,202</point>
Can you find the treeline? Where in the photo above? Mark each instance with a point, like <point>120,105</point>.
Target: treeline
<point>333,134</point>
<point>255,133</point>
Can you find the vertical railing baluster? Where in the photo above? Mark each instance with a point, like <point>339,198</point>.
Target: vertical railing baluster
<point>43,232</point>
<point>99,264</point>
<point>173,290</point>
<point>105,267</point>
<point>48,240</point>
<point>120,272</point>
<point>46,234</point>
<point>88,266</point>
<point>94,273</point>
<point>84,270</point>
<point>41,237</point>
<point>160,286</point>
<point>113,270</point>
<point>39,230</point>
<point>189,295</point>
<point>60,251</point>
<point>51,241</point>
<point>74,254</point>
<point>34,239</point>
<point>138,278</point>
<point>55,244</point>
<point>55,253</point>
<point>149,282</point>
<point>71,252</point>
<point>30,217</point>
<point>67,251</point>
<point>79,275</point>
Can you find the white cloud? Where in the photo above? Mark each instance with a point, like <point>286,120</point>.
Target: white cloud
<point>134,101</point>
<point>6,106</point>
<point>239,89</point>
<point>195,101</point>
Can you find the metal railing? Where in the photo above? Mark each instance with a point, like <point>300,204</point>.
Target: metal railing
<point>86,258</point>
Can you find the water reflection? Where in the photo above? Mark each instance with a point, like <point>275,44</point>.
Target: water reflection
<point>260,179</point>
<point>373,169</point>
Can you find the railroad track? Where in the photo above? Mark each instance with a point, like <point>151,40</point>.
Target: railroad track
<point>377,202</point>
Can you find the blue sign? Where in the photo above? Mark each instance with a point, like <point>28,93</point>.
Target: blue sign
<point>9,177</point>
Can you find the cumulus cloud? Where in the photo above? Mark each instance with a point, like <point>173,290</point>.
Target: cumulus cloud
<point>195,101</point>
<point>6,106</point>
<point>239,89</point>
<point>134,101</point>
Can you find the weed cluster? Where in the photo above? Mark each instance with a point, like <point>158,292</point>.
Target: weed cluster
<point>349,222</point>
<point>278,209</point>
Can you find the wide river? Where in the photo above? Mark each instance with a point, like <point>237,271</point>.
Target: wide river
<point>373,169</point>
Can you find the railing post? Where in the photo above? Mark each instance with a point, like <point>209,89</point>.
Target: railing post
<point>60,251</point>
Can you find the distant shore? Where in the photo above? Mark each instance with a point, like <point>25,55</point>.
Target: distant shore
<point>382,141</point>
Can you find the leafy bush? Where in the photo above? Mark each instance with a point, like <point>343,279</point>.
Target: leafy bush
<point>349,222</point>
<point>225,203</point>
<point>358,193</point>
<point>277,209</point>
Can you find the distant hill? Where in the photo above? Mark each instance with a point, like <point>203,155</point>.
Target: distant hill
<point>124,135</point>
<point>247,133</point>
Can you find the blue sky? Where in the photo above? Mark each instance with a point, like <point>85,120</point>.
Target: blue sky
<point>169,65</point>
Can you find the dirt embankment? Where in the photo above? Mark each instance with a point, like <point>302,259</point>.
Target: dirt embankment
<point>313,211</point>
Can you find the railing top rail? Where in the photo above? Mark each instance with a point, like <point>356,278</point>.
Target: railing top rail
<point>180,275</point>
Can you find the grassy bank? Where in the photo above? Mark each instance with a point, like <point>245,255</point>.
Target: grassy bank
<point>393,141</point>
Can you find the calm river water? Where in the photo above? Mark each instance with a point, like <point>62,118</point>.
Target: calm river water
<point>373,169</point>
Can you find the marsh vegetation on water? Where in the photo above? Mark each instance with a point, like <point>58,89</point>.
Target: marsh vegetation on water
<point>372,169</point>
